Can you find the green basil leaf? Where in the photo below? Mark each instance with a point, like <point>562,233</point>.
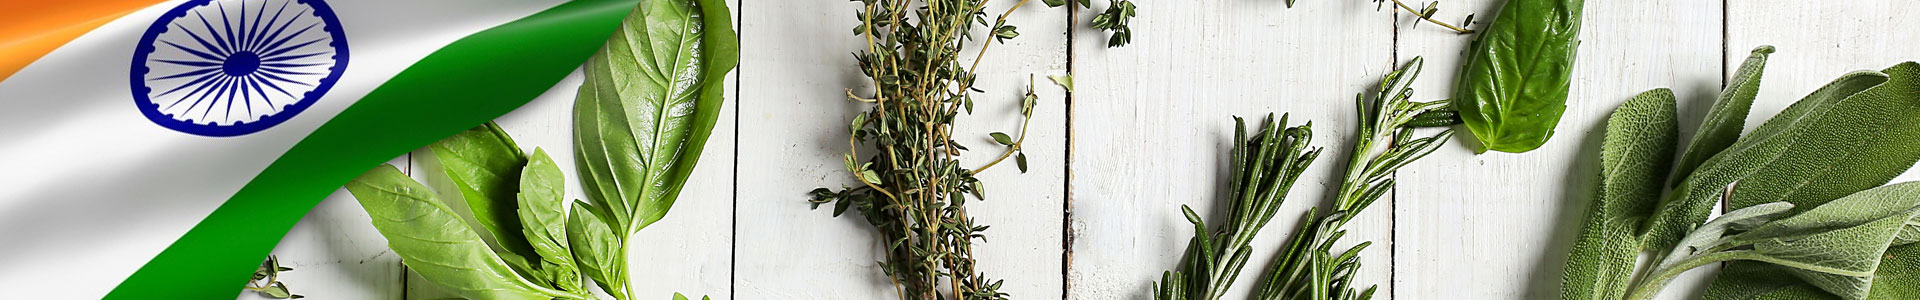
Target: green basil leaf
<point>649,102</point>
<point>1513,85</point>
<point>432,241</point>
<point>596,247</point>
<point>484,165</point>
<point>543,214</point>
<point>1728,116</point>
<point>1839,245</point>
<point>1635,157</point>
<point>1782,142</point>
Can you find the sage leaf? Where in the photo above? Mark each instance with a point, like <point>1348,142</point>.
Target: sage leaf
<point>1513,84</point>
<point>1851,144</point>
<point>1838,246</point>
<point>1728,116</point>
<point>432,241</point>
<point>648,105</point>
<point>484,165</point>
<point>1636,154</point>
<point>1780,143</point>
<point>543,215</point>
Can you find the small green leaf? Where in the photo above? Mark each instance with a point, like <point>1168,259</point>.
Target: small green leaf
<point>1065,81</point>
<point>278,291</point>
<point>1021,161</point>
<point>1054,3</point>
<point>870,177</point>
<point>1006,32</point>
<point>1001,138</point>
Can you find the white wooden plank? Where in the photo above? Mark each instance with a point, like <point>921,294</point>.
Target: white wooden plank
<point>1152,126</point>
<point>1816,43</point>
<point>336,253</point>
<point>793,133</point>
<point>1498,226</point>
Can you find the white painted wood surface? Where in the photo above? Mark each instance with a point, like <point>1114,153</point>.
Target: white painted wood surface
<point>1097,216</point>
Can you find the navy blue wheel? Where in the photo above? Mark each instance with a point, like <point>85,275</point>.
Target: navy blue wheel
<point>234,67</point>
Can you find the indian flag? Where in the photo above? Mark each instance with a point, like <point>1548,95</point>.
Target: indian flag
<point>159,149</point>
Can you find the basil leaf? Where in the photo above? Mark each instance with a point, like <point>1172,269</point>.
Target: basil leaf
<point>1775,145</point>
<point>596,248</point>
<point>432,241</point>
<point>1728,116</point>
<point>1635,157</point>
<point>648,104</point>
<point>484,165</point>
<point>1513,85</point>
<point>543,215</point>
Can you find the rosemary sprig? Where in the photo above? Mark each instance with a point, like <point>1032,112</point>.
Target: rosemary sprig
<point>1264,169</point>
<point>1308,267</point>
<point>913,189</point>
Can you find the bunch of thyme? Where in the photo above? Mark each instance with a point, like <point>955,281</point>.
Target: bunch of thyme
<point>1307,266</point>
<point>913,188</point>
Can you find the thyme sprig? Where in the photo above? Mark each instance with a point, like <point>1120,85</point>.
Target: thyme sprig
<point>913,188</point>
<point>1307,267</point>
<point>1113,20</point>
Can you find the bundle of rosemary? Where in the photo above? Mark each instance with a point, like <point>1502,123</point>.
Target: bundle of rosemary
<point>1265,168</point>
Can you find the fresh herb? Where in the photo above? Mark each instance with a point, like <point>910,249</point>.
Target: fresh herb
<point>1426,14</point>
<point>1114,19</point>
<point>1513,85</point>
<point>1308,266</point>
<point>266,280</point>
<point>641,118</point>
<point>913,189</point>
<point>1811,219</point>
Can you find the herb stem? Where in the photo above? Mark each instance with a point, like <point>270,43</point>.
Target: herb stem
<point>1416,13</point>
<point>1650,286</point>
<point>1010,149</point>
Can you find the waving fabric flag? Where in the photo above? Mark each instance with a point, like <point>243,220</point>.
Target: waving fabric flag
<point>165,147</point>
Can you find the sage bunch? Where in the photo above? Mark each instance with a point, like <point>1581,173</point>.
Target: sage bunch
<point>1811,218</point>
<point>1308,266</point>
<point>641,118</point>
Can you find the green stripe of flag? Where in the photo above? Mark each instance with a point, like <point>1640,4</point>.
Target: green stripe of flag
<point>468,82</point>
